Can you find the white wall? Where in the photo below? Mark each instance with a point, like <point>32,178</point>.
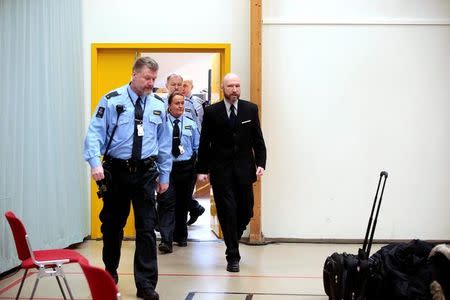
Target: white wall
<point>345,95</point>
<point>177,21</point>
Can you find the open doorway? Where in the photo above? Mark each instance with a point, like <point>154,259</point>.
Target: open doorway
<point>111,67</point>
<point>203,69</point>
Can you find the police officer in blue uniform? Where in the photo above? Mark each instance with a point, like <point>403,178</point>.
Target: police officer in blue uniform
<point>129,124</point>
<point>173,204</point>
<point>174,83</point>
<point>197,102</point>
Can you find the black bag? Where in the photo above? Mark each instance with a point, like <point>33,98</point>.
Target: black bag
<point>345,275</point>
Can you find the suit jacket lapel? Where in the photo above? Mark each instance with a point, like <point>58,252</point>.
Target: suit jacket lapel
<point>240,113</point>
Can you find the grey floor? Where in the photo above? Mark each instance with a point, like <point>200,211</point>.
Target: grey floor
<point>275,271</point>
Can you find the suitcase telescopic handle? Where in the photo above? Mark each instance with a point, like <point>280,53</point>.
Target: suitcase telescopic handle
<point>371,229</point>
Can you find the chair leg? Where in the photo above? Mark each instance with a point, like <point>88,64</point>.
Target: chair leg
<point>21,283</point>
<point>34,288</point>
<point>61,288</point>
<point>68,288</point>
<point>60,273</point>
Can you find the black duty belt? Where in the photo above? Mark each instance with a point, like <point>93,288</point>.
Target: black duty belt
<point>130,164</point>
<point>183,163</point>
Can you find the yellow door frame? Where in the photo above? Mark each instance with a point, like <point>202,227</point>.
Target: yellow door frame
<point>97,48</point>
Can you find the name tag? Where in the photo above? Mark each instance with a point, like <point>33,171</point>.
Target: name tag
<point>157,112</point>
<point>248,121</point>
<point>188,127</point>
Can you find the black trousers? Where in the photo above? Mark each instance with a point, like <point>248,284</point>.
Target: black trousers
<point>173,204</point>
<point>136,186</point>
<point>234,203</point>
<point>193,205</point>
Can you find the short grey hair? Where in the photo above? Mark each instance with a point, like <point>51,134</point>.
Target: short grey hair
<point>174,75</point>
<point>145,61</point>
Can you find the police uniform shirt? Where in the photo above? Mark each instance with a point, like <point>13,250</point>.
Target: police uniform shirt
<point>157,140</point>
<point>190,136</point>
<point>198,106</point>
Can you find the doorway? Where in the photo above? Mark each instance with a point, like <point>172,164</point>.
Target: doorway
<point>111,67</point>
<point>203,69</point>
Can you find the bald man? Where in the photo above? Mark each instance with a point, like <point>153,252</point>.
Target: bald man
<point>232,153</point>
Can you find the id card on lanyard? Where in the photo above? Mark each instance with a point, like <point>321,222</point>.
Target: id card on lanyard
<point>139,123</point>
<point>180,147</point>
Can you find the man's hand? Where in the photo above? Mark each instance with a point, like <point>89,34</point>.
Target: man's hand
<point>97,173</point>
<point>162,187</point>
<point>260,171</point>
<point>202,177</point>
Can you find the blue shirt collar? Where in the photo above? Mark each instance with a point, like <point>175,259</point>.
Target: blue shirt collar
<point>134,96</point>
<point>172,118</point>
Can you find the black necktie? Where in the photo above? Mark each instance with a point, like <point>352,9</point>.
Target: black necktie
<point>136,152</point>
<point>176,139</point>
<point>233,117</point>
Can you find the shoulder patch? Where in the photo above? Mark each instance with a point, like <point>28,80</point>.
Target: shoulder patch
<point>188,127</point>
<point>100,112</point>
<point>157,112</point>
<point>158,97</point>
<point>112,94</point>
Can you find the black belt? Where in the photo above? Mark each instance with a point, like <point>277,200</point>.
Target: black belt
<point>183,162</point>
<point>130,164</point>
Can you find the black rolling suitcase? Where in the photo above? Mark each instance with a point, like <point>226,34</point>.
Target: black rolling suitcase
<point>345,275</point>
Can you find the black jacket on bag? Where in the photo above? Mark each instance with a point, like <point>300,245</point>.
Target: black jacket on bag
<point>401,272</point>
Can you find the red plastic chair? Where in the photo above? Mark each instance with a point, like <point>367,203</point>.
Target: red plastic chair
<point>47,262</point>
<point>100,282</point>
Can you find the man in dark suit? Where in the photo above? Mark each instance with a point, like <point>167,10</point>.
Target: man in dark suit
<point>233,153</point>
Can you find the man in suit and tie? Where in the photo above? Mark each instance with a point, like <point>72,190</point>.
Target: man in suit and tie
<point>233,153</point>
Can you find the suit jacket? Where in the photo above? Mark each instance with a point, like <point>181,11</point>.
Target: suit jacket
<point>231,153</point>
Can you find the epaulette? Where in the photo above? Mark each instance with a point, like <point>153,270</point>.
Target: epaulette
<point>158,97</point>
<point>112,94</point>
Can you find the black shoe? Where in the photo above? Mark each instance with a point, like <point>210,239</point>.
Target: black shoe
<point>233,266</point>
<point>182,243</point>
<point>165,248</point>
<point>114,275</point>
<point>195,214</point>
<point>147,295</point>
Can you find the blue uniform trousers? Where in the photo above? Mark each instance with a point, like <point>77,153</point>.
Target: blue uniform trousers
<point>131,184</point>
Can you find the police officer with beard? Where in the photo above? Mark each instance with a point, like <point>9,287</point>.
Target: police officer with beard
<point>130,121</point>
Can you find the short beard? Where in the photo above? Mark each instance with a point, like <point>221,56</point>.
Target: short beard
<point>229,97</point>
